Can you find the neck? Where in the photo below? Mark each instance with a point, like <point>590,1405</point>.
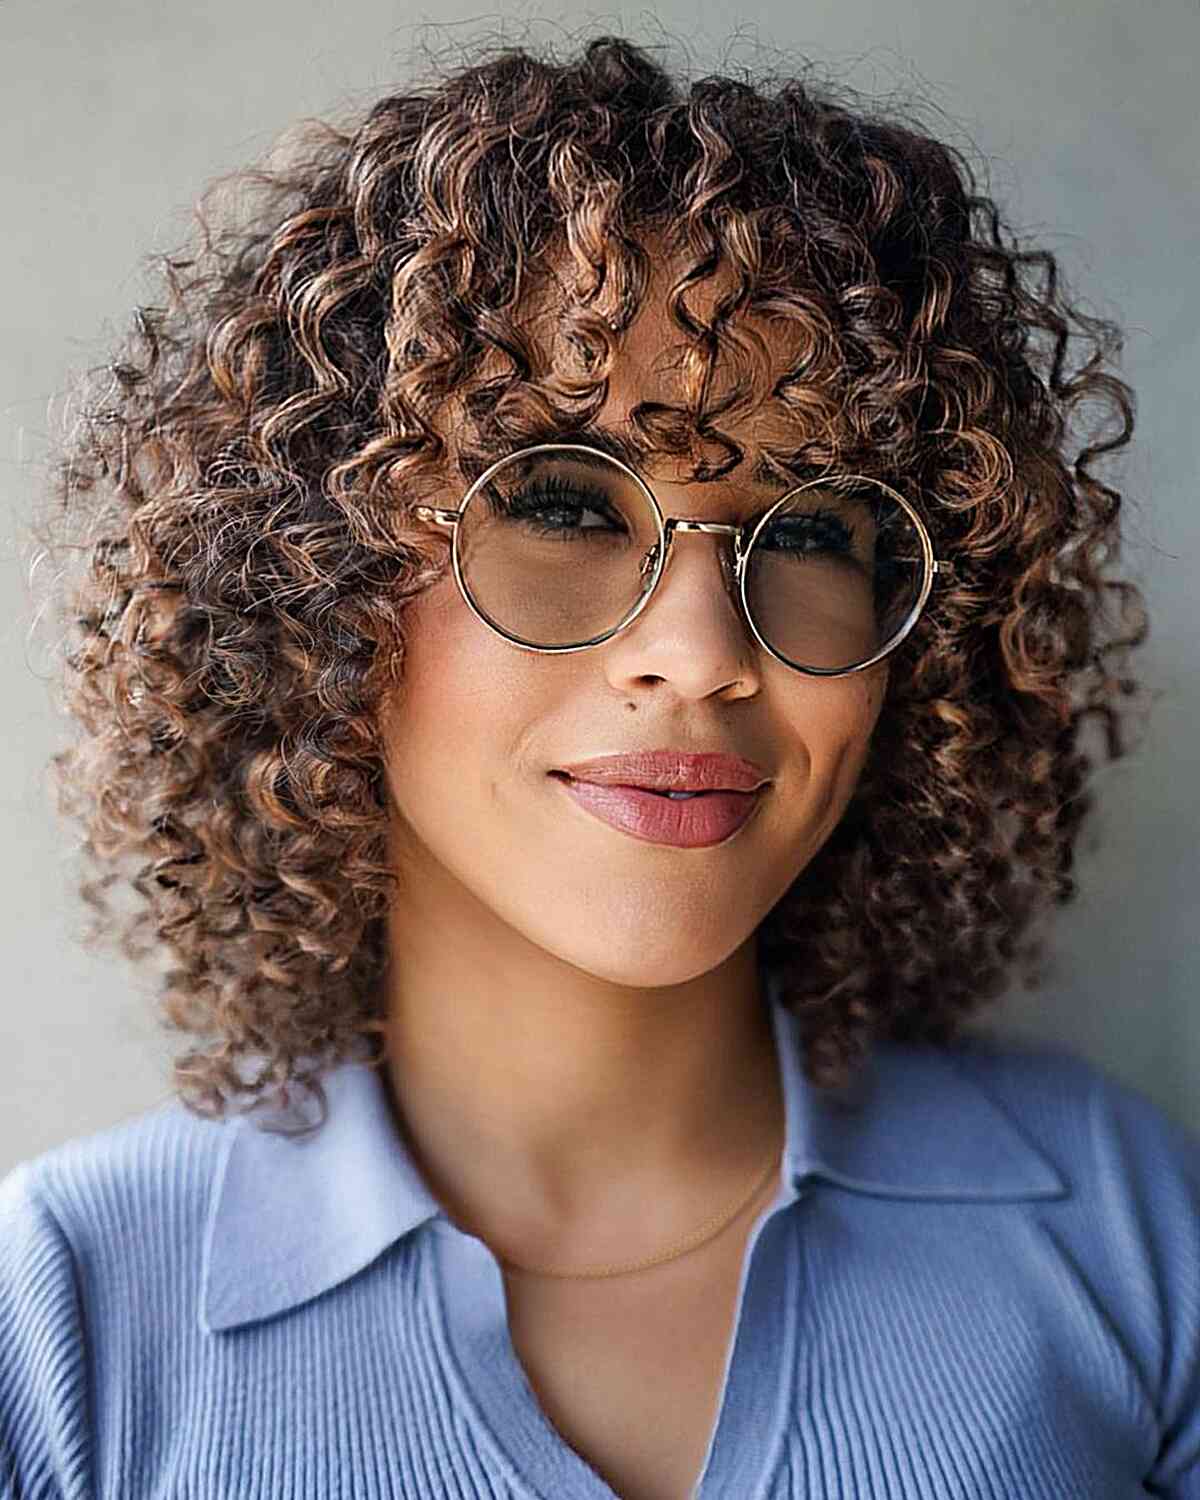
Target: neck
<point>569,1119</point>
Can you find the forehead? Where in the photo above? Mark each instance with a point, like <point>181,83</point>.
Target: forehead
<point>653,360</point>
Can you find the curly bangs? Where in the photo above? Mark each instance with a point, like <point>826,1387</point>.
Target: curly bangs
<point>234,514</point>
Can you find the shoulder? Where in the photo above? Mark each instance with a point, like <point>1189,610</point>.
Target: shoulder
<point>1110,1177</point>
<point>1103,1134</point>
<point>1126,1236</point>
<point>1131,1166</point>
<point>1115,1149</point>
<point>95,1234</point>
<point>153,1169</point>
<point>92,1228</point>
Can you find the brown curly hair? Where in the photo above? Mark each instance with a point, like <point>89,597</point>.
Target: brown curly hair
<point>239,493</point>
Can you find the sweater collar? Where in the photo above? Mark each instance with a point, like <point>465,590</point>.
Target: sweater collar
<point>291,1218</point>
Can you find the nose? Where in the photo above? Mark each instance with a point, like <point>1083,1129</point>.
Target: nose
<point>692,631</point>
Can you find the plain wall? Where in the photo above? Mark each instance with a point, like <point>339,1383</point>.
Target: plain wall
<point>116,115</point>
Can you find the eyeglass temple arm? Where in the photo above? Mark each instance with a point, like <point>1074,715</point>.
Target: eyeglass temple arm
<point>437,514</point>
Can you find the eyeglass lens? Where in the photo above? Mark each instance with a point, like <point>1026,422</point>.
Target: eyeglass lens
<point>557,548</point>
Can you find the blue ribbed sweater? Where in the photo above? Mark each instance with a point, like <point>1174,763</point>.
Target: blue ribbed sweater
<point>981,1279</point>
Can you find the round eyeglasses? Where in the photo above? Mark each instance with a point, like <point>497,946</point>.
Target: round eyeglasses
<point>559,546</point>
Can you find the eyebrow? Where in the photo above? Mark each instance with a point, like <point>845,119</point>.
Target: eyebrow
<point>622,440</point>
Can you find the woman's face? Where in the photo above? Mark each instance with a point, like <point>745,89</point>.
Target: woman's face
<point>488,840</point>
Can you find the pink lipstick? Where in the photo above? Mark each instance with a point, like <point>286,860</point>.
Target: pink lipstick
<point>683,798</point>
<point>683,821</point>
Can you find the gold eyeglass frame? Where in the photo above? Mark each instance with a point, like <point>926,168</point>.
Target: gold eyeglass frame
<point>667,527</point>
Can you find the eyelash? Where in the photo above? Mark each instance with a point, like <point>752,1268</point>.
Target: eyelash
<point>579,496</point>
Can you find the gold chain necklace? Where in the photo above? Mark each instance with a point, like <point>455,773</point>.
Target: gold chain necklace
<point>707,1231</point>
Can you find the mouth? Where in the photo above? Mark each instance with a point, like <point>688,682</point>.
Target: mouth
<point>678,796</point>
<point>656,815</point>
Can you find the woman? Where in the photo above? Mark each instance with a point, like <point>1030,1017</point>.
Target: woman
<point>588,624</point>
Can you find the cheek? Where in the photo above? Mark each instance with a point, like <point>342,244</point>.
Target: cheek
<point>463,701</point>
<point>443,727</point>
<point>442,656</point>
<point>864,703</point>
<point>834,721</point>
<point>867,693</point>
<point>839,711</point>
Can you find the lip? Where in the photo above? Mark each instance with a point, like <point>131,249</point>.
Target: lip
<point>669,771</point>
<point>688,824</point>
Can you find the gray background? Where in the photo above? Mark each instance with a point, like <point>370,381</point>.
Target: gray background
<point>116,115</point>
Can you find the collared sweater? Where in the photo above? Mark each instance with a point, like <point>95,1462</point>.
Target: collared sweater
<point>978,1279</point>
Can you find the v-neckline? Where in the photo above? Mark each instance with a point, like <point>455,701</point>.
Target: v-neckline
<point>756,1385</point>
<point>756,1397</point>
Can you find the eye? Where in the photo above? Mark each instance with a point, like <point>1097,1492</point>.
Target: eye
<point>568,500</point>
<point>813,533</point>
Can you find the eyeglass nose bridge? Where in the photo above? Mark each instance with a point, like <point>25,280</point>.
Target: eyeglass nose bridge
<point>714,528</point>
<point>717,528</point>
<point>672,524</point>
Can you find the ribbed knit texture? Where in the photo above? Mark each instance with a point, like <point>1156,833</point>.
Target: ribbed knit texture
<point>985,1284</point>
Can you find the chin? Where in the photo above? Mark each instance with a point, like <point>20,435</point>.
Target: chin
<point>633,957</point>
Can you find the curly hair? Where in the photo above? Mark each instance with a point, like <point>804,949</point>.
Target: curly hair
<point>237,497</point>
